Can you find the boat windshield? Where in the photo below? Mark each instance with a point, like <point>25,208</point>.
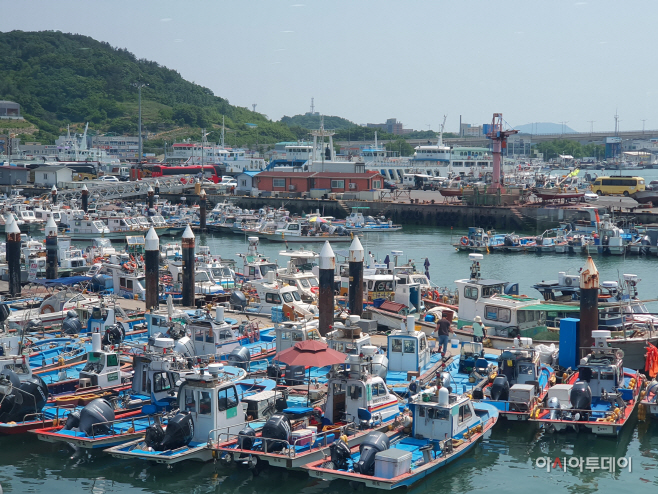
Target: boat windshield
<point>266,268</point>
<point>296,296</point>
<point>102,242</point>
<point>201,276</point>
<point>313,281</point>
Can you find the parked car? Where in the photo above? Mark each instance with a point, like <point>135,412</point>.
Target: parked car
<point>390,185</point>
<point>108,178</point>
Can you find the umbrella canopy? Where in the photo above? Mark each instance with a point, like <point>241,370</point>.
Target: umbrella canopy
<point>387,260</point>
<point>311,353</point>
<point>317,219</point>
<point>427,262</point>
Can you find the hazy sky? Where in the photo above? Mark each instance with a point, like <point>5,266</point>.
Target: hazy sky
<point>534,61</point>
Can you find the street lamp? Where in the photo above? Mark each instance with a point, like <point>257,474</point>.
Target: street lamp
<point>139,86</point>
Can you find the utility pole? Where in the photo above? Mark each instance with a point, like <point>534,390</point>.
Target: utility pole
<point>591,126</point>
<point>139,86</point>
<point>643,120</point>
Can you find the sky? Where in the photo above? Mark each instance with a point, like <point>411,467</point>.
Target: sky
<point>577,62</point>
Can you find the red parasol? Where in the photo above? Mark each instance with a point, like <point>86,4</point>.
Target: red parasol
<point>311,353</point>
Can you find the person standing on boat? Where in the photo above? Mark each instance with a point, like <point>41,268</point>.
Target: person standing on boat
<point>443,331</point>
<point>478,330</point>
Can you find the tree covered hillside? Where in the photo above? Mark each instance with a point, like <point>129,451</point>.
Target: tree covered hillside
<point>61,78</point>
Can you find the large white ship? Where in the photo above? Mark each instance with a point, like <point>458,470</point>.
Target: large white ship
<point>434,160</point>
<point>195,153</point>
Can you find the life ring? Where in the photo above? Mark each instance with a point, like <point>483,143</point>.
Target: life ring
<point>47,309</point>
<point>315,289</point>
<point>436,295</point>
<point>464,241</point>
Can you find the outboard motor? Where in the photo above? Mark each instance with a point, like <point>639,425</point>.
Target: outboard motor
<point>179,432</point>
<point>277,427</point>
<point>500,389</point>
<point>581,396</point>
<point>340,453</point>
<point>97,412</point>
<point>294,375</point>
<point>71,324</point>
<point>374,443</point>
<point>246,438</point>
<point>114,335</point>
<point>646,245</point>
<point>238,301</point>
<point>554,405</point>
<point>239,357</point>
<point>446,381</point>
<point>274,371</point>
<point>154,435</point>
<point>20,398</point>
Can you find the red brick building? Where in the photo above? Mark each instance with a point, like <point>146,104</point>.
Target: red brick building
<point>305,181</point>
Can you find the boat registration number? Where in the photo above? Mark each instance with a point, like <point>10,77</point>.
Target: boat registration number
<point>113,376</point>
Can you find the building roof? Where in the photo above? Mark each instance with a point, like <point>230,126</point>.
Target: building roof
<point>289,174</point>
<point>51,168</point>
<point>251,173</point>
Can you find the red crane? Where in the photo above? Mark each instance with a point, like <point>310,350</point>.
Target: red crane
<point>499,137</point>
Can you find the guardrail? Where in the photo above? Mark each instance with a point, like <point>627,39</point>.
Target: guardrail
<point>114,190</point>
<point>289,449</point>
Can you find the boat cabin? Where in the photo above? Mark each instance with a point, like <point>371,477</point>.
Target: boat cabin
<point>355,395</point>
<point>102,369</point>
<point>602,369</point>
<point>215,336</point>
<point>407,349</point>
<point>348,338</point>
<point>255,266</point>
<point>445,415</point>
<point>213,403</point>
<point>519,365</point>
<point>288,333</point>
<point>159,373</point>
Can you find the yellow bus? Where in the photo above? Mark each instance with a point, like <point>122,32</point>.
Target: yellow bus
<point>604,186</point>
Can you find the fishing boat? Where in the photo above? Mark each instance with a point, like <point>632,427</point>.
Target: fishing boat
<point>444,427</point>
<point>357,222</point>
<point>558,193</point>
<point>358,402</point>
<point>522,380</point>
<point>100,425</point>
<point>649,403</point>
<point>295,231</point>
<point>601,396</point>
<point>209,406</point>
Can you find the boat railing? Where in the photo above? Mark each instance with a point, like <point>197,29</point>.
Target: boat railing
<point>603,420</point>
<point>40,416</point>
<point>319,441</point>
<point>112,423</point>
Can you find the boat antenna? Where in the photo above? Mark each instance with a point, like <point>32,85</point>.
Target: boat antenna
<point>443,125</point>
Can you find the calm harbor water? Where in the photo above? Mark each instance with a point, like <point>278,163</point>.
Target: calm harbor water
<point>505,461</point>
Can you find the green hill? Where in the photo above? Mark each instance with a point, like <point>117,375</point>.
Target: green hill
<point>62,79</point>
<point>313,122</point>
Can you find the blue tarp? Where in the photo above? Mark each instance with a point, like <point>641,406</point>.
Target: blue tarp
<point>72,280</point>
